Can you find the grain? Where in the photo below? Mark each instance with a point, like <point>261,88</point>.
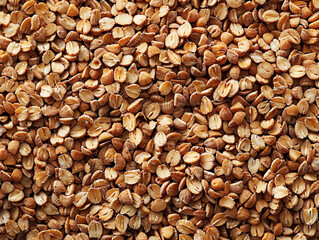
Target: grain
<point>159,119</point>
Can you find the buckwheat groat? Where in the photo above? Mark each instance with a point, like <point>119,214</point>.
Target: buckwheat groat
<point>159,119</point>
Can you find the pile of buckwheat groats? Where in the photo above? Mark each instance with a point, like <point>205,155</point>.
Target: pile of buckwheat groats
<point>159,119</point>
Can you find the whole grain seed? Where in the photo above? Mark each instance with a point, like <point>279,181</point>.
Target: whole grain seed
<point>159,119</point>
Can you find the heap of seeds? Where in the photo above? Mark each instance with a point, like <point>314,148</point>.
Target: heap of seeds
<point>159,119</point>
